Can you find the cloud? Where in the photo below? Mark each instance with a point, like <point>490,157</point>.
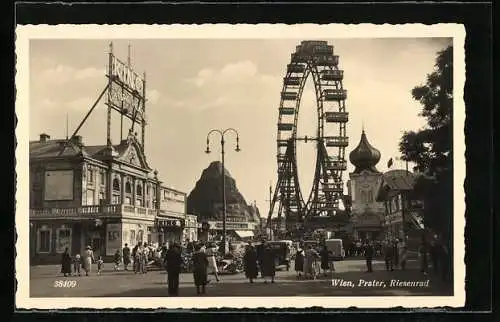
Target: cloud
<point>230,73</point>
<point>83,103</point>
<point>153,96</point>
<point>61,74</point>
<point>89,72</point>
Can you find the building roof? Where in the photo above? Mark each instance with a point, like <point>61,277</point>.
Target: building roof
<point>53,148</point>
<point>395,181</point>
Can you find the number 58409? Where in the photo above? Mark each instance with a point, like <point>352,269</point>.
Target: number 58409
<point>67,283</point>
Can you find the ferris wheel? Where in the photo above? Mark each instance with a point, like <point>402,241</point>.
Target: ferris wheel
<point>315,59</point>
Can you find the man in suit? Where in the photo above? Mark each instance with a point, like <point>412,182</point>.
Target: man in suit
<point>173,262</point>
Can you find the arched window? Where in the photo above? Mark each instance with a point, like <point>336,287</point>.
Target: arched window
<point>139,190</point>
<point>116,184</point>
<point>128,188</point>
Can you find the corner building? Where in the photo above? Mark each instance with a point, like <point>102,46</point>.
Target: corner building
<point>102,196</point>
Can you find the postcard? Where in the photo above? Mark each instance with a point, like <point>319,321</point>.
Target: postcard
<point>240,166</point>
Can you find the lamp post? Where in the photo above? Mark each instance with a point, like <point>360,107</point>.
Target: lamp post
<point>222,141</point>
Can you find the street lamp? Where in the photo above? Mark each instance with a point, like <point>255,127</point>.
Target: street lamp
<point>222,141</point>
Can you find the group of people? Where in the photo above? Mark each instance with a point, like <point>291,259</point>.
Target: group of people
<point>203,260</point>
<point>309,263</point>
<point>74,265</point>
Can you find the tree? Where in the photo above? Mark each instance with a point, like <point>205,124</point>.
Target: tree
<point>431,148</point>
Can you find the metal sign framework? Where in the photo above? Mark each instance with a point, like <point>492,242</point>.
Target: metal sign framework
<point>126,94</point>
<point>315,58</point>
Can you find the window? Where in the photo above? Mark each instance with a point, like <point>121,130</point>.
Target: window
<point>102,198</point>
<point>139,190</point>
<point>128,188</point>
<point>63,239</point>
<point>128,201</point>
<point>44,240</point>
<point>147,190</point>
<point>138,202</point>
<point>90,176</point>
<point>132,237</point>
<point>116,184</point>
<point>90,197</point>
<point>102,178</point>
<point>116,199</point>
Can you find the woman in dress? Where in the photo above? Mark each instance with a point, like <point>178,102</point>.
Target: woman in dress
<point>299,263</point>
<point>250,263</point>
<point>200,266</point>
<point>211,251</point>
<point>309,263</point>
<point>325,260</point>
<point>66,263</point>
<point>89,259</point>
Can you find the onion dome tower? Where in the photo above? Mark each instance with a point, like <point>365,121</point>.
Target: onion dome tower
<point>364,156</point>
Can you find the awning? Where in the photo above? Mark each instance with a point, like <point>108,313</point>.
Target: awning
<point>244,233</point>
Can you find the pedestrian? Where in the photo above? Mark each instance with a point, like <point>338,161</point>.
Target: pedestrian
<point>89,259</point>
<point>211,251</point>
<point>268,264</point>
<point>66,263</point>
<point>434,255</point>
<point>77,264</point>
<point>144,258</point>
<point>117,260</point>
<point>389,256</point>
<point>126,257</point>
<point>299,263</point>
<point>309,263</point>
<point>173,264</point>
<point>200,266</point>
<point>396,253</point>
<point>260,254</point>
<point>250,263</point>
<point>100,265</point>
<point>369,256</point>
<point>325,260</point>
<point>403,255</point>
<point>135,264</point>
<point>422,256</point>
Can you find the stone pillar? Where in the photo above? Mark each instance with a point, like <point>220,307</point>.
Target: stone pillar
<point>109,186</point>
<point>134,191</point>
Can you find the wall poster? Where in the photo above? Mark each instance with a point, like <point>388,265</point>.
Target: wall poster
<point>113,238</point>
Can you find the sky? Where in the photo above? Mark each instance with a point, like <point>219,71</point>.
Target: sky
<point>195,85</point>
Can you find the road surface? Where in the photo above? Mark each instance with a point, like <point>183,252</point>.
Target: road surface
<point>46,281</point>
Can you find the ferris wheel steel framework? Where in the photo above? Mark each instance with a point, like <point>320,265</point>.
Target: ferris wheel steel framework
<point>315,59</point>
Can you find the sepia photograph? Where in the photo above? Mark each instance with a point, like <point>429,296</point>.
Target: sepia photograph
<point>262,166</point>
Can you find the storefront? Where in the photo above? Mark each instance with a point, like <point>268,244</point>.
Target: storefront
<point>169,230</point>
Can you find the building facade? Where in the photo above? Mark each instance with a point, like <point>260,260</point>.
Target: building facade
<point>403,208</point>
<point>367,213</point>
<point>191,228</point>
<point>99,196</point>
<point>239,224</point>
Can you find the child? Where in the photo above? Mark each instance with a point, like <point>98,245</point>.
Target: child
<point>117,260</point>
<point>100,264</point>
<point>77,263</point>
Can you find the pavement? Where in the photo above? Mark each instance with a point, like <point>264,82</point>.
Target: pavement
<point>46,281</point>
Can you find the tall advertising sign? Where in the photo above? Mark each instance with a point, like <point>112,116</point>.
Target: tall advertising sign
<point>126,95</point>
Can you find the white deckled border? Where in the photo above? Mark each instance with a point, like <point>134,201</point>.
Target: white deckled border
<point>240,31</point>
